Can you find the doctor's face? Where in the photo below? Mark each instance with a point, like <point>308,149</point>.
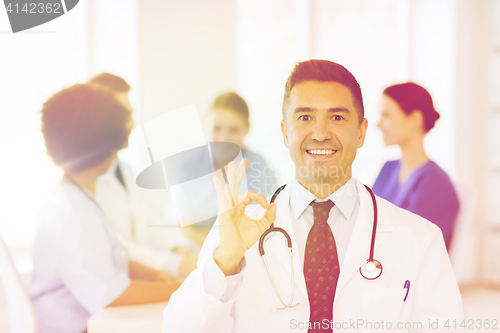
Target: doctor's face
<point>322,132</point>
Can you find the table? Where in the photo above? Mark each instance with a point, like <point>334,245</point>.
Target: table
<point>128,319</point>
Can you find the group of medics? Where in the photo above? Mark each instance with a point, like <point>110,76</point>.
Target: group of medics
<point>329,240</point>
<point>93,245</point>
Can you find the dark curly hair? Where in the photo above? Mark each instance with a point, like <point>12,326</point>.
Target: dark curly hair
<point>113,82</point>
<point>83,125</point>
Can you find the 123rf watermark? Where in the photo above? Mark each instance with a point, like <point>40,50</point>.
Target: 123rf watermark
<point>441,325</point>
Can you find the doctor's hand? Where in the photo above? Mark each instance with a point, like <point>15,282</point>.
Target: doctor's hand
<point>238,232</point>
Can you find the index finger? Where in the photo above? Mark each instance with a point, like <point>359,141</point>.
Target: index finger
<point>238,178</point>
<point>218,181</point>
<point>252,196</point>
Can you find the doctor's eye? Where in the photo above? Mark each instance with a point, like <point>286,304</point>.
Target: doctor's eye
<point>305,117</point>
<point>338,118</point>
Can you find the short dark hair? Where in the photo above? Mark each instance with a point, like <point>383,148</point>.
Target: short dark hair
<point>82,126</point>
<point>110,81</point>
<point>233,101</point>
<point>324,71</point>
<point>411,97</point>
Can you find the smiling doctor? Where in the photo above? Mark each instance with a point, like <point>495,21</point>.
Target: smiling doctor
<point>300,264</point>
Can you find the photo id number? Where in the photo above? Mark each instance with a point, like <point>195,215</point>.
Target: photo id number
<point>34,8</point>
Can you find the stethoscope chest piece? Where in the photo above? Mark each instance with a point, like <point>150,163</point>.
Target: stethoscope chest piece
<point>371,269</point>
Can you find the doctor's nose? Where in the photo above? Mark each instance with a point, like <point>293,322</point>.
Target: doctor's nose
<point>321,131</point>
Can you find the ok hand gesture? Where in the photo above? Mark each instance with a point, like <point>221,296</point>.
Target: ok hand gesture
<point>238,232</point>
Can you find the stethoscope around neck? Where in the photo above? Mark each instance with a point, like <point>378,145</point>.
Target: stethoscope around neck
<point>371,269</point>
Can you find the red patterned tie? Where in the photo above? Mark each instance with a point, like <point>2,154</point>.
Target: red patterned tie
<point>321,268</point>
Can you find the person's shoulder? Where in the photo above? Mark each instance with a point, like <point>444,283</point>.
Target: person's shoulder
<point>436,178</point>
<point>434,171</point>
<point>60,196</point>
<point>388,171</point>
<point>56,206</point>
<point>78,208</point>
<point>388,168</point>
<point>389,165</point>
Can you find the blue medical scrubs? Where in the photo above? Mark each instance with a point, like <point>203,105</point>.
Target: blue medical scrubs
<point>427,192</point>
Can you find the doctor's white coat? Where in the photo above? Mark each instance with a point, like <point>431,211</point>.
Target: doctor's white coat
<point>408,247</point>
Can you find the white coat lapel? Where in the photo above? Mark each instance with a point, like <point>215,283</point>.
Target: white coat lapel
<point>273,246</point>
<point>358,250</point>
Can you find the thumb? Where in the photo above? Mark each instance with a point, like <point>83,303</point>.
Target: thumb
<point>270,215</point>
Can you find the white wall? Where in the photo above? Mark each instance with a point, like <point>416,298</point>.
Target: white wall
<point>488,114</point>
<point>467,127</point>
<point>33,64</point>
<point>112,43</point>
<point>432,60</point>
<point>268,39</point>
<point>187,53</point>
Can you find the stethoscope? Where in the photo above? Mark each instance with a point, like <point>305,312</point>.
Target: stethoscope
<point>370,270</point>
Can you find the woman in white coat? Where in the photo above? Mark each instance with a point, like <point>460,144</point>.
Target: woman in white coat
<point>79,265</point>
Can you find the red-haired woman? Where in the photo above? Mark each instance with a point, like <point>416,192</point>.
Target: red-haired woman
<point>414,182</point>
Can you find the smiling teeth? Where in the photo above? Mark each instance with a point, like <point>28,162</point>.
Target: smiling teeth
<point>321,152</point>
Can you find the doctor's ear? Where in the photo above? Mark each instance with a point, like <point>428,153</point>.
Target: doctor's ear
<point>285,136</point>
<point>362,132</point>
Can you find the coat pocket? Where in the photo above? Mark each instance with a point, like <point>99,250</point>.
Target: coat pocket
<point>383,304</point>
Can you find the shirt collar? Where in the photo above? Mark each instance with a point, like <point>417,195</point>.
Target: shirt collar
<point>344,198</point>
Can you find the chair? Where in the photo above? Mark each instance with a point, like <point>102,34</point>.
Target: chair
<point>467,198</point>
<point>21,312</point>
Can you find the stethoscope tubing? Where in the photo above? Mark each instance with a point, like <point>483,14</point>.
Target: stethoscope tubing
<point>370,275</point>
<point>272,228</point>
<point>375,221</point>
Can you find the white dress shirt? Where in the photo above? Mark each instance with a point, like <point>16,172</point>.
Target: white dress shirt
<point>341,220</point>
